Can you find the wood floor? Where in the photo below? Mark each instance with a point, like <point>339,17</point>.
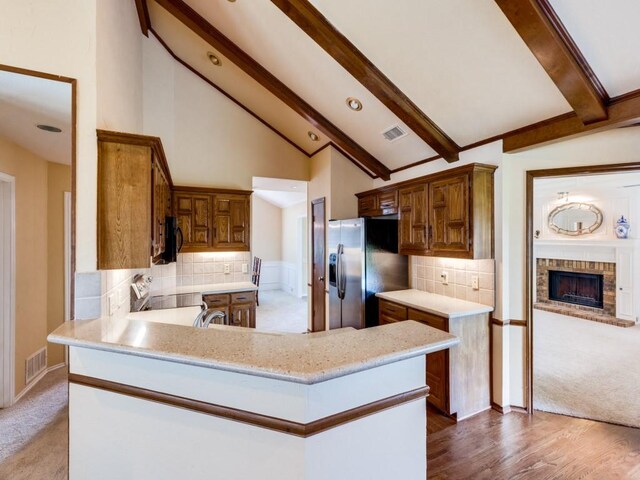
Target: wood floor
<point>542,446</point>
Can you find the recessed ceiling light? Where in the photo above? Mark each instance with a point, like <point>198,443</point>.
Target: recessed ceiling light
<point>214,59</point>
<point>313,136</point>
<point>354,104</point>
<point>49,128</point>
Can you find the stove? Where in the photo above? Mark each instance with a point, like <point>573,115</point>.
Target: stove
<point>141,299</point>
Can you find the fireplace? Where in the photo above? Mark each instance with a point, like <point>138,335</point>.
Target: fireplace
<point>577,288</point>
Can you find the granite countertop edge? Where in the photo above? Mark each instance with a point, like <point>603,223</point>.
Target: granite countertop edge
<point>478,308</point>
<point>256,370</point>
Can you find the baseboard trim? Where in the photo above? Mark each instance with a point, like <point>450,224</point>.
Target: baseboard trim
<point>35,381</point>
<point>459,419</point>
<point>499,408</point>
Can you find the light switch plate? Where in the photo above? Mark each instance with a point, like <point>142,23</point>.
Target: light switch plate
<point>475,282</point>
<point>245,268</point>
<point>445,278</point>
<point>227,268</point>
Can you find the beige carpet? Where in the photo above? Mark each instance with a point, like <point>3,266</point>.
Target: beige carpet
<point>281,312</point>
<point>34,432</point>
<point>586,369</point>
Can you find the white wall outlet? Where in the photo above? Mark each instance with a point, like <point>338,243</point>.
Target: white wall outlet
<point>113,304</point>
<point>245,268</point>
<point>445,277</point>
<point>227,268</point>
<point>475,284</point>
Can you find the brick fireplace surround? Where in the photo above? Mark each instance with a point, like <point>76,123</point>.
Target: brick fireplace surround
<point>602,315</point>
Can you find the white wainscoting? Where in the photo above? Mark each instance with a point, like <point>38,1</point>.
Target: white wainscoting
<point>270,275</point>
<point>277,275</point>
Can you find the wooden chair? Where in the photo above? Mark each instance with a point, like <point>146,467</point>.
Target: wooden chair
<point>255,276</point>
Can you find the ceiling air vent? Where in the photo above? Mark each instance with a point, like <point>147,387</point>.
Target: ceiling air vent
<point>394,133</point>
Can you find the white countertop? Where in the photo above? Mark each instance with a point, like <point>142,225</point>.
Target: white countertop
<point>437,304</point>
<point>173,316</point>
<point>299,358</point>
<point>212,288</point>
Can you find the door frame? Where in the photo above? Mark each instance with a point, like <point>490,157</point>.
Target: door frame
<point>314,281</point>
<point>8,305</point>
<point>72,227</point>
<point>529,281</point>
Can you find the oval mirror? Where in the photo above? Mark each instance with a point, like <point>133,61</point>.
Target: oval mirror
<point>575,219</point>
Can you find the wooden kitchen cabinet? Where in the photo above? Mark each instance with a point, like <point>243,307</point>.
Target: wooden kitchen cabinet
<point>213,219</point>
<point>382,202</point>
<point>133,198</point>
<point>239,307</point>
<point>161,204</point>
<point>232,219</point>
<point>413,221</point>
<point>446,214</point>
<point>458,378</point>
<point>449,216</point>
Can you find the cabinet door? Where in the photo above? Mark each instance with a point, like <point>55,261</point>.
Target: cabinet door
<point>389,312</point>
<point>437,362</point>
<point>161,204</point>
<point>449,221</point>
<point>368,205</point>
<point>231,216</point>
<point>243,315</point>
<point>125,190</point>
<point>388,202</point>
<point>193,213</point>
<point>412,225</point>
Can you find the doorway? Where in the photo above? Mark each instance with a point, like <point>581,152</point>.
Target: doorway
<point>37,224</point>
<point>318,267</point>
<point>7,288</point>
<point>279,208</point>
<point>582,294</point>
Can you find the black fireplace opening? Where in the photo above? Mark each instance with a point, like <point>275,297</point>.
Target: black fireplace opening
<point>577,288</point>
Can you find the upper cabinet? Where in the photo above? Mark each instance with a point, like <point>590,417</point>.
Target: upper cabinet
<point>379,202</point>
<point>447,214</point>
<point>413,220</point>
<point>213,219</point>
<point>134,197</point>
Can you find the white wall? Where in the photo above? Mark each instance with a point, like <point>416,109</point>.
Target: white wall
<point>59,37</point>
<point>208,139</point>
<point>119,67</point>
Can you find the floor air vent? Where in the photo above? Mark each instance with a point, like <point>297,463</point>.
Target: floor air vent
<point>36,363</point>
<point>394,133</point>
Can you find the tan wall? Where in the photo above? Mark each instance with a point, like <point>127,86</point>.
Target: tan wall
<point>30,173</point>
<point>266,230</point>
<point>59,181</point>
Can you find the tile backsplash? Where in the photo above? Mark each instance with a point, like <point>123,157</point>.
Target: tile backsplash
<point>209,268</point>
<point>426,276</point>
<point>93,290</point>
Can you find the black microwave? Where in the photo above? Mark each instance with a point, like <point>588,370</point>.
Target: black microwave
<point>173,240</point>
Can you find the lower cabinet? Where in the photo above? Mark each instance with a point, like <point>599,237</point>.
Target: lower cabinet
<point>239,308</point>
<point>458,378</point>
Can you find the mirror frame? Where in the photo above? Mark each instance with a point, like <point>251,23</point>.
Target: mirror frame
<point>571,206</point>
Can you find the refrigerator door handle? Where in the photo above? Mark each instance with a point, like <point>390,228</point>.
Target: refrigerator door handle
<point>340,272</point>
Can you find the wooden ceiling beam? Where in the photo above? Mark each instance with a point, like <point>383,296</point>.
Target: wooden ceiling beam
<point>314,24</point>
<point>622,110</point>
<point>143,16</point>
<point>543,32</point>
<point>201,27</point>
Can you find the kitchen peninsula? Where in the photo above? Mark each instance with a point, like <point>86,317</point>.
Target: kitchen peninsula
<point>155,401</point>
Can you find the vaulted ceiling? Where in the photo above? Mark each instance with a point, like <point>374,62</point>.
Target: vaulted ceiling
<point>452,74</point>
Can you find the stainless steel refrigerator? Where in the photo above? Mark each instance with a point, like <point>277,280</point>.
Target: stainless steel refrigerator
<point>363,260</point>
